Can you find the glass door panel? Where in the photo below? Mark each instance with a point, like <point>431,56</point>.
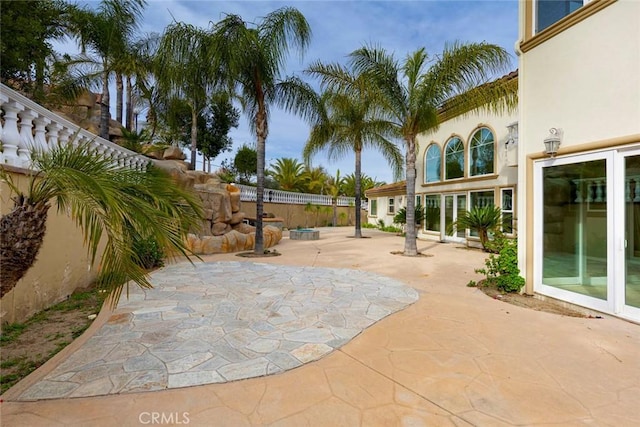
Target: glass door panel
<point>632,231</point>
<point>461,205</point>
<point>575,228</point>
<point>448,213</point>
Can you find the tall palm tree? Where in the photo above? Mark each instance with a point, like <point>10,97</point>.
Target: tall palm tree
<point>105,33</point>
<point>119,206</point>
<point>255,57</point>
<point>415,96</point>
<point>315,180</point>
<point>185,66</point>
<point>351,120</point>
<point>288,173</point>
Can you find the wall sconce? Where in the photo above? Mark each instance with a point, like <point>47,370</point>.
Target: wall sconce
<point>512,138</point>
<point>552,142</point>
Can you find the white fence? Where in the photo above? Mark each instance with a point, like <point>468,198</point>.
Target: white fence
<point>249,194</point>
<point>26,125</point>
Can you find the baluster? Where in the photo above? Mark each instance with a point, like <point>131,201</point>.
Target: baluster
<point>10,134</point>
<point>589,198</point>
<point>627,190</point>
<point>26,136</point>
<point>40,138</point>
<point>3,100</point>
<point>54,129</point>
<point>64,135</point>
<point>636,197</point>
<point>599,191</point>
<point>578,183</point>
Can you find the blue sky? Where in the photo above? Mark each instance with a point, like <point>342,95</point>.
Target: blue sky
<point>339,27</point>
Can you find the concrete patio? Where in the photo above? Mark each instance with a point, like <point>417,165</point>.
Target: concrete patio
<point>455,357</point>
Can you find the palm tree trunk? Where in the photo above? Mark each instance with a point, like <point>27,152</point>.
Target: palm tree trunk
<point>104,106</point>
<point>334,203</point>
<point>21,234</point>
<point>358,176</point>
<point>119,97</point>
<point>194,138</point>
<point>261,133</point>
<point>410,244</point>
<point>129,105</point>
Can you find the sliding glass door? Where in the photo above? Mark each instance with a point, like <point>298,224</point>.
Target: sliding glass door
<point>587,230</point>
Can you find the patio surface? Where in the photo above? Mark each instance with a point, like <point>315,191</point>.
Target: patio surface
<point>454,357</point>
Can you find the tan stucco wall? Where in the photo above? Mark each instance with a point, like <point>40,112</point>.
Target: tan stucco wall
<point>295,216</point>
<point>585,81</point>
<point>62,265</point>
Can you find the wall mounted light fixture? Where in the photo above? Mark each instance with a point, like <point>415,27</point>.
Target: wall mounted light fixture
<point>552,142</point>
<point>512,137</point>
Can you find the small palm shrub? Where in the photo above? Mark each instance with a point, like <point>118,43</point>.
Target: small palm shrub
<point>401,216</point>
<point>481,219</point>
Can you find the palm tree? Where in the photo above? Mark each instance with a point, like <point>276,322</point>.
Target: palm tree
<point>349,121</point>
<point>336,189</point>
<point>114,205</point>
<point>185,66</point>
<point>482,219</point>
<point>255,58</point>
<point>105,32</point>
<point>415,98</point>
<point>366,183</point>
<point>315,180</point>
<point>288,173</point>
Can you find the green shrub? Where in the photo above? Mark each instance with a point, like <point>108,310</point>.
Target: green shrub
<point>502,269</point>
<point>367,225</point>
<point>149,253</point>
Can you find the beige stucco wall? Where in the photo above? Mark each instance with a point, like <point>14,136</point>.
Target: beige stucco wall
<point>295,216</point>
<point>584,80</point>
<point>62,265</point>
<point>400,201</point>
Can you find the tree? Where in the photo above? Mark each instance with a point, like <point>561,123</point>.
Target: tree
<point>255,58</point>
<point>289,174</point>
<point>416,101</point>
<point>25,40</point>
<point>349,120</point>
<point>336,189</point>
<point>185,68</point>
<point>246,163</point>
<point>482,219</point>
<point>105,32</point>
<point>214,125</point>
<point>315,179</point>
<point>110,204</point>
<point>366,183</point>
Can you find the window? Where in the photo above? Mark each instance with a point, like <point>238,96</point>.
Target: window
<point>373,207</point>
<point>507,210</point>
<point>432,212</point>
<point>480,199</point>
<point>391,206</point>
<point>549,12</point>
<point>432,164</point>
<point>481,150</point>
<point>454,158</point>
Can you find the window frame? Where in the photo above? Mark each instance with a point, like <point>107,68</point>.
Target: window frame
<point>373,207</point>
<point>508,211</point>
<point>391,206</point>
<point>470,147</point>
<point>463,151</point>
<point>426,163</point>
<point>536,19</point>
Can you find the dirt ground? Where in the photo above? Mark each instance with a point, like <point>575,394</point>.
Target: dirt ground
<point>26,346</point>
<point>529,301</point>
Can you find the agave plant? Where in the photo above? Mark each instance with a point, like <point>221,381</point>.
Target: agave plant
<point>116,205</point>
<point>481,219</point>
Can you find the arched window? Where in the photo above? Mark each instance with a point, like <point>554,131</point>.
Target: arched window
<point>481,152</point>
<point>432,164</point>
<point>454,158</point>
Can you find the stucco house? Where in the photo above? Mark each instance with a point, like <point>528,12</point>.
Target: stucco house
<point>579,203</point>
<point>468,161</point>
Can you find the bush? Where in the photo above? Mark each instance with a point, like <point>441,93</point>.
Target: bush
<point>149,253</point>
<point>502,269</point>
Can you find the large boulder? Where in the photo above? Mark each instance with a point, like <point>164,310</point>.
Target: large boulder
<point>233,241</point>
<point>173,153</point>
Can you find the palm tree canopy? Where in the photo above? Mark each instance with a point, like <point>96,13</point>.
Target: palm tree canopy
<point>116,205</point>
<point>288,173</point>
<point>415,94</point>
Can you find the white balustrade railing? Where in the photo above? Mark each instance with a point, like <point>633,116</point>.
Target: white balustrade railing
<point>249,194</point>
<point>26,125</point>
<point>594,190</point>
